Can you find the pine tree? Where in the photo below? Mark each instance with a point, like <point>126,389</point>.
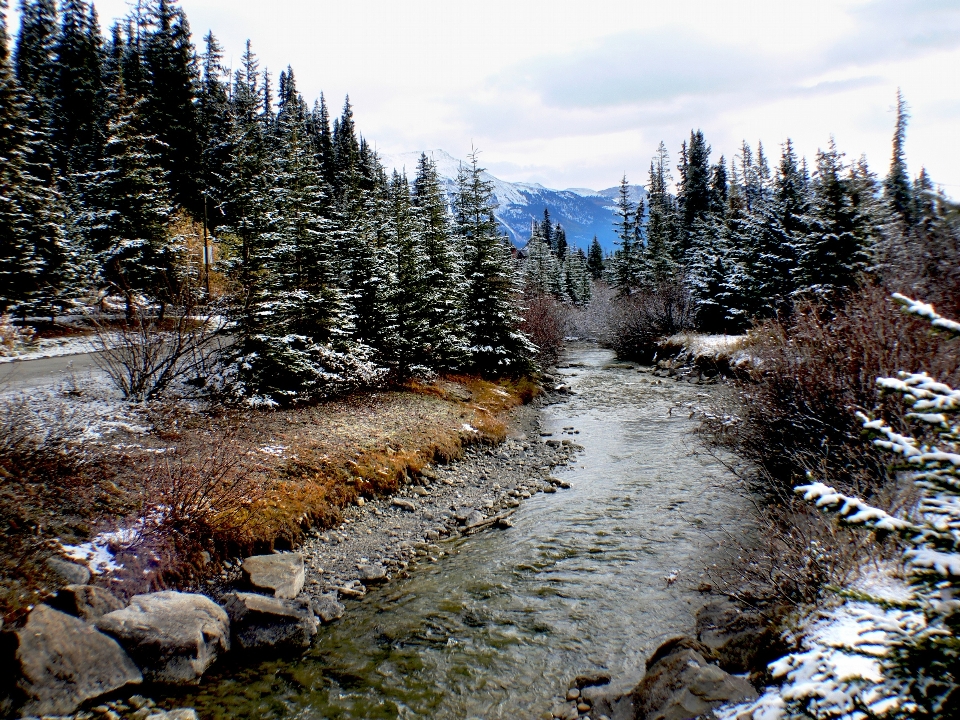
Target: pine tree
<point>77,111</point>
<point>693,192</point>
<point>660,253</point>
<point>833,250</point>
<point>560,241</point>
<point>546,229</point>
<point>896,187</point>
<point>170,102</point>
<point>34,58</point>
<point>213,118</point>
<point>245,202</point>
<point>412,298</point>
<point>131,208</point>
<point>489,309</point>
<point>443,275</point>
<point>595,260</point>
<point>626,261</point>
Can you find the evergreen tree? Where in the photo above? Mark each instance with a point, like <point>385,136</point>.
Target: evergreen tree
<point>213,118</point>
<point>626,261</point>
<point>595,259</point>
<point>693,192</point>
<point>131,208</point>
<point>546,229</point>
<point>660,253</point>
<point>896,187</point>
<point>34,57</point>
<point>77,110</point>
<point>37,260</point>
<point>170,102</point>
<point>489,303</point>
<point>412,297</point>
<point>443,273</point>
<point>560,241</point>
<point>833,250</point>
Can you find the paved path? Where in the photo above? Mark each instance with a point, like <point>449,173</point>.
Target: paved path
<point>23,374</point>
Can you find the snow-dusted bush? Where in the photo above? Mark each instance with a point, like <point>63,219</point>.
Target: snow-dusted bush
<point>286,370</point>
<point>910,650</point>
<point>13,337</point>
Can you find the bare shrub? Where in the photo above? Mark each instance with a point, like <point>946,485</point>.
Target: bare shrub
<point>40,439</point>
<point>796,410</point>
<point>145,353</point>
<point>592,321</point>
<point>543,322</point>
<point>203,491</point>
<point>640,320</point>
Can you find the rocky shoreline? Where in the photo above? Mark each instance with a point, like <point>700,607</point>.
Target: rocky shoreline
<point>86,649</point>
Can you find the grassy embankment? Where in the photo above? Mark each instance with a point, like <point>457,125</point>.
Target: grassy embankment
<point>217,484</point>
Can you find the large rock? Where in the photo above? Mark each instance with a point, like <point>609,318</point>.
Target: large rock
<point>174,637</point>
<point>281,574</point>
<point>741,640</point>
<point>372,574</point>
<point>69,573</point>
<point>87,602</point>
<point>327,608</point>
<point>680,685</point>
<point>61,662</point>
<point>260,622</point>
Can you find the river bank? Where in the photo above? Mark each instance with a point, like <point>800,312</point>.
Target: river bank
<point>603,563</point>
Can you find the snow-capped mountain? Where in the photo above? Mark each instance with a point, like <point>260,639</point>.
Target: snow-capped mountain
<point>582,212</point>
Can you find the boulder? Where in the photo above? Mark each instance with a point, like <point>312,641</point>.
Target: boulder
<point>61,662</point>
<point>260,622</point>
<point>680,685</point>
<point>327,608</point>
<point>741,640</point>
<point>87,602</point>
<point>70,573</point>
<point>404,504</point>
<point>178,714</point>
<point>372,574</point>
<point>281,574</point>
<point>172,636</point>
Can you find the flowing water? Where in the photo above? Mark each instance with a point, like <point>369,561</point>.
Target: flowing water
<point>498,629</point>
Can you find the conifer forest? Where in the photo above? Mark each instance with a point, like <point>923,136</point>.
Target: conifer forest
<point>252,373</point>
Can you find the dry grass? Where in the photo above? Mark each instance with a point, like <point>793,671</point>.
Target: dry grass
<point>370,444</point>
<point>212,486</point>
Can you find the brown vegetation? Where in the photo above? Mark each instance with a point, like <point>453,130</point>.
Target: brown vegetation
<point>201,488</point>
<point>811,375</point>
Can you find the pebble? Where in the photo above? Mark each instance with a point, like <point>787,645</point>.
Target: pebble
<point>573,694</point>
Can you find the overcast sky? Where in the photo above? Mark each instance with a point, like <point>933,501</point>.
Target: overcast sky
<point>575,94</point>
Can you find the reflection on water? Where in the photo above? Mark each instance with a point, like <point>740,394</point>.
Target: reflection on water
<point>497,630</point>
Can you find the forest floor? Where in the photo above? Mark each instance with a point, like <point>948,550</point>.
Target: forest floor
<point>162,494</point>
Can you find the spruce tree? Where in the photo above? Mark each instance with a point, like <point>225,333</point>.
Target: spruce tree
<point>213,118</point>
<point>132,208</point>
<point>443,273</point>
<point>78,112</point>
<point>34,56</point>
<point>833,250</point>
<point>693,192</point>
<point>546,229</point>
<point>595,259</point>
<point>490,312</point>
<point>170,102</point>
<point>896,187</point>
<point>659,259</point>
<point>626,261</point>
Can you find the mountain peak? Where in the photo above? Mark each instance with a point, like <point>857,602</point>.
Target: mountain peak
<point>584,213</point>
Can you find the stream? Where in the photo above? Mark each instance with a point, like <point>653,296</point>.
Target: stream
<point>499,627</point>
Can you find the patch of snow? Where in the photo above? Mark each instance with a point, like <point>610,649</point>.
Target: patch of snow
<point>274,450</point>
<point>467,427</point>
<point>51,347</point>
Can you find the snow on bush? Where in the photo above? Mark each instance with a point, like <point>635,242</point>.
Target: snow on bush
<point>902,658</point>
<point>12,337</point>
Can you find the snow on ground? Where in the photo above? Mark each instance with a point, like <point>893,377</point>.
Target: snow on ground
<point>99,554</point>
<point>52,347</point>
<point>839,654</point>
<point>715,347</point>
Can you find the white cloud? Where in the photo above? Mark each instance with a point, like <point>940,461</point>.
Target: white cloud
<point>575,93</point>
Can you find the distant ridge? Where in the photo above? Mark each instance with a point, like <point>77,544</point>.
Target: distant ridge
<point>582,212</point>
